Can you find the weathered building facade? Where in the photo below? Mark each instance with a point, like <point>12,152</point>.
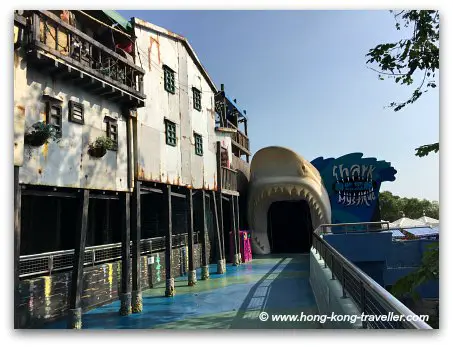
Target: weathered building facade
<point>117,157</point>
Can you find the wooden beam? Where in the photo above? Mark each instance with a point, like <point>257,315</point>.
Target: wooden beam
<point>17,236</point>
<point>159,191</point>
<point>75,307</point>
<point>219,166</point>
<point>204,238</point>
<point>137,303</point>
<point>192,276</point>
<point>106,223</point>
<point>58,224</point>
<point>33,192</point>
<point>125,296</point>
<point>167,212</point>
<point>104,197</point>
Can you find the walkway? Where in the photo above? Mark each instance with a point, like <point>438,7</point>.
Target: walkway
<point>276,284</point>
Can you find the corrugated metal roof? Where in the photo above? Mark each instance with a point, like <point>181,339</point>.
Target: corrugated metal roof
<point>422,231</point>
<point>397,233</point>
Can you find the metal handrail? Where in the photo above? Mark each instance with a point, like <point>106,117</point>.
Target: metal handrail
<point>369,296</point>
<point>49,262</point>
<point>352,227</point>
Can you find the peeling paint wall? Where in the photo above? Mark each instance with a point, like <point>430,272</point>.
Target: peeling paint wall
<point>157,161</point>
<point>19,78</point>
<point>66,163</point>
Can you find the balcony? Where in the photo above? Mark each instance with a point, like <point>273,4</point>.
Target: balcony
<point>239,139</point>
<point>68,53</point>
<point>229,179</point>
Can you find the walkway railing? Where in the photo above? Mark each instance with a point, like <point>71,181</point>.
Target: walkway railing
<point>369,296</point>
<point>352,227</point>
<point>47,263</point>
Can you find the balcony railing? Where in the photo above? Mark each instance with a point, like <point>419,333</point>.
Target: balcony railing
<point>229,179</point>
<point>48,263</point>
<point>239,138</point>
<point>68,44</point>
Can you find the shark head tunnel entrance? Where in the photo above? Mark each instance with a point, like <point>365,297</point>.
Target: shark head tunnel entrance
<point>289,226</point>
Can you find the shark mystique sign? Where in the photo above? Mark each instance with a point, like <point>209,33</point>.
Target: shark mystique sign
<point>353,184</point>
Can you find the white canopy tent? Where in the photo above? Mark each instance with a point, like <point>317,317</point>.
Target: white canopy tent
<point>405,222</point>
<point>429,221</point>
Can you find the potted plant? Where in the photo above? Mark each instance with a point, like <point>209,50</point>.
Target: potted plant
<point>40,133</point>
<point>100,146</point>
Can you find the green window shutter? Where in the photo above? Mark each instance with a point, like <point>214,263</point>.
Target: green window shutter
<point>196,99</point>
<point>198,144</point>
<point>170,133</point>
<point>169,79</point>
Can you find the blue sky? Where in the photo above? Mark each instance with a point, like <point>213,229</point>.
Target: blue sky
<point>302,78</point>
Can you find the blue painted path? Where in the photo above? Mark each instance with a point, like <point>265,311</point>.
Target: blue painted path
<point>275,284</point>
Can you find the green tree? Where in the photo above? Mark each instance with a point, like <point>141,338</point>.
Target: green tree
<point>427,271</point>
<point>415,55</point>
<point>392,207</point>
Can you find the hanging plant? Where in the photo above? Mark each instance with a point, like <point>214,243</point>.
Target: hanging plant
<point>40,133</point>
<point>100,146</point>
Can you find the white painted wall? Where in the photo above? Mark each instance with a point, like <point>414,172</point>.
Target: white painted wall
<point>19,77</point>
<point>67,163</point>
<point>157,161</point>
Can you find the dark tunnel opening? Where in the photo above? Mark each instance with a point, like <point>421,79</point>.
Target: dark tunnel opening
<point>289,226</point>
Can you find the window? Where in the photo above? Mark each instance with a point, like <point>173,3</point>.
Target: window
<point>169,79</point>
<point>54,116</point>
<point>224,157</point>
<point>75,112</point>
<point>196,99</point>
<point>112,132</point>
<point>198,144</point>
<point>170,133</point>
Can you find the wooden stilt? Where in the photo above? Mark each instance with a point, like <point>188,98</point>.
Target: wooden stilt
<point>235,252</point>
<point>221,264</point>
<point>17,232</point>
<point>167,211</point>
<point>192,275</point>
<point>125,296</point>
<point>236,200</point>
<point>221,226</point>
<point>75,307</point>
<point>204,237</point>
<point>220,267</point>
<point>137,303</point>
